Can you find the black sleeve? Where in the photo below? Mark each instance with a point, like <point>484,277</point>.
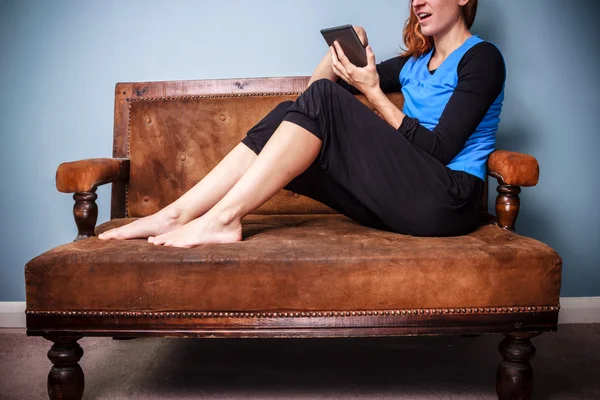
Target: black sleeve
<point>481,76</point>
<point>389,76</point>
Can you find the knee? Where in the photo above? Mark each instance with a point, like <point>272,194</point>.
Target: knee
<point>319,92</point>
<point>324,89</point>
<point>282,107</point>
<point>285,104</point>
<point>323,85</point>
<point>276,115</point>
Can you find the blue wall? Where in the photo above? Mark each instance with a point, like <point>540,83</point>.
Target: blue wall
<point>60,60</point>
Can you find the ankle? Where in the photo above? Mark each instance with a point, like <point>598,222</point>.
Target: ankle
<point>172,213</point>
<point>227,217</point>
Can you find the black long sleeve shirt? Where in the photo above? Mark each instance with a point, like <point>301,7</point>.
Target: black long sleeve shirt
<point>481,75</point>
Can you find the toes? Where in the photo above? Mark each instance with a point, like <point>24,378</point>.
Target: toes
<point>158,240</point>
<point>173,243</point>
<point>105,235</point>
<point>180,244</point>
<point>114,233</point>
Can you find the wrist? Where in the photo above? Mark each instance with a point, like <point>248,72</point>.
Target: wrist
<point>376,96</point>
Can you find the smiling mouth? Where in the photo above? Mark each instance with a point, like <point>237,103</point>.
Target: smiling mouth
<point>423,16</point>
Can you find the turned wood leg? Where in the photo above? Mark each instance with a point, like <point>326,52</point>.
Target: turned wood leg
<point>507,205</point>
<point>85,212</point>
<point>65,379</point>
<point>514,380</point>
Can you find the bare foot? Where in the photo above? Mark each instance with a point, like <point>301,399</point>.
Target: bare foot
<point>209,228</point>
<point>158,223</point>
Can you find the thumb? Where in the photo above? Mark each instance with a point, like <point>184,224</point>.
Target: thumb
<point>370,56</point>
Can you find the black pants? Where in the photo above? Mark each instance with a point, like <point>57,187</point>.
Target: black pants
<point>370,172</point>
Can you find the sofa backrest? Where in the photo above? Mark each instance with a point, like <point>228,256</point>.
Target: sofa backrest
<point>175,132</point>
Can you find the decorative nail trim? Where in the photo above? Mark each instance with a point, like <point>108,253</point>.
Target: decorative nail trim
<point>126,200</point>
<point>302,314</point>
<point>128,155</point>
<point>128,125</point>
<point>213,96</point>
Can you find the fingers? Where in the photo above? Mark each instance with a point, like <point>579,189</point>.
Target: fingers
<point>342,57</point>
<point>342,75</point>
<point>370,57</point>
<point>334,61</point>
<point>338,67</point>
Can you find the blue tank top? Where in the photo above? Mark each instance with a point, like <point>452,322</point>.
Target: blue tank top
<point>426,96</point>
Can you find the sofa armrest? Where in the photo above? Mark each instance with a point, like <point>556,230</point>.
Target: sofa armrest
<point>83,178</point>
<point>512,170</point>
<point>87,175</point>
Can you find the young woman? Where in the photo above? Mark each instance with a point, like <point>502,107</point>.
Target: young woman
<point>417,171</point>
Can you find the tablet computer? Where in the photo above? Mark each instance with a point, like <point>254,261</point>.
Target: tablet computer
<point>347,38</point>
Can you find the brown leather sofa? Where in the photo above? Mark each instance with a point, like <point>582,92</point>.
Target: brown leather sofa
<point>302,270</point>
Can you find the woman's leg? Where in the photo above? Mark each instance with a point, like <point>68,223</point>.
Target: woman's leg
<point>287,160</point>
<point>314,182</point>
<point>289,152</point>
<point>192,203</point>
<point>410,191</point>
<point>206,193</point>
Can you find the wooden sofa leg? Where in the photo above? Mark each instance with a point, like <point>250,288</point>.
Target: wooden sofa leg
<point>85,212</point>
<point>514,379</point>
<point>65,379</point>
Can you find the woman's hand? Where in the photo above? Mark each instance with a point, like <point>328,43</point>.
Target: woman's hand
<point>365,79</point>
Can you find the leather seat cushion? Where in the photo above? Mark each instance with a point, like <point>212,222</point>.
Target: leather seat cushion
<point>299,262</point>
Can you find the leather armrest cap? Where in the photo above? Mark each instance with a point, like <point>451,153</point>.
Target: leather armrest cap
<point>87,175</point>
<point>514,168</point>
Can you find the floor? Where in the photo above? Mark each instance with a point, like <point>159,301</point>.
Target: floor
<point>566,365</point>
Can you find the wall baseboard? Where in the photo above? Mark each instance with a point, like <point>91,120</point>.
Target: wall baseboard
<point>12,314</point>
<point>579,310</point>
<point>573,310</point>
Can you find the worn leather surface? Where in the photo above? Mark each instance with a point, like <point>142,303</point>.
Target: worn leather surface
<point>87,175</point>
<point>299,262</point>
<point>514,168</point>
<point>295,255</point>
<point>174,143</point>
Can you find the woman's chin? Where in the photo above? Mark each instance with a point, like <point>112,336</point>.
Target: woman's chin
<point>427,31</point>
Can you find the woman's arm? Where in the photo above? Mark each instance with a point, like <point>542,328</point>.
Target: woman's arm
<point>324,69</point>
<point>386,108</point>
<point>388,70</point>
<point>389,76</point>
<point>481,76</point>
<point>383,77</point>
<point>372,80</point>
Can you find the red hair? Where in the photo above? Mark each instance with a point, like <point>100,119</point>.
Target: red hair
<point>418,44</point>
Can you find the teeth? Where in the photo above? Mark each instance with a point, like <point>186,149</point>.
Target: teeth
<point>423,15</point>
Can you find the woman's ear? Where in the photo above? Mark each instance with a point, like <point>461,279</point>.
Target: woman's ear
<point>462,3</point>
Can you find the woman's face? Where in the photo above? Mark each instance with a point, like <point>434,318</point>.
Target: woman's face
<point>437,16</point>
